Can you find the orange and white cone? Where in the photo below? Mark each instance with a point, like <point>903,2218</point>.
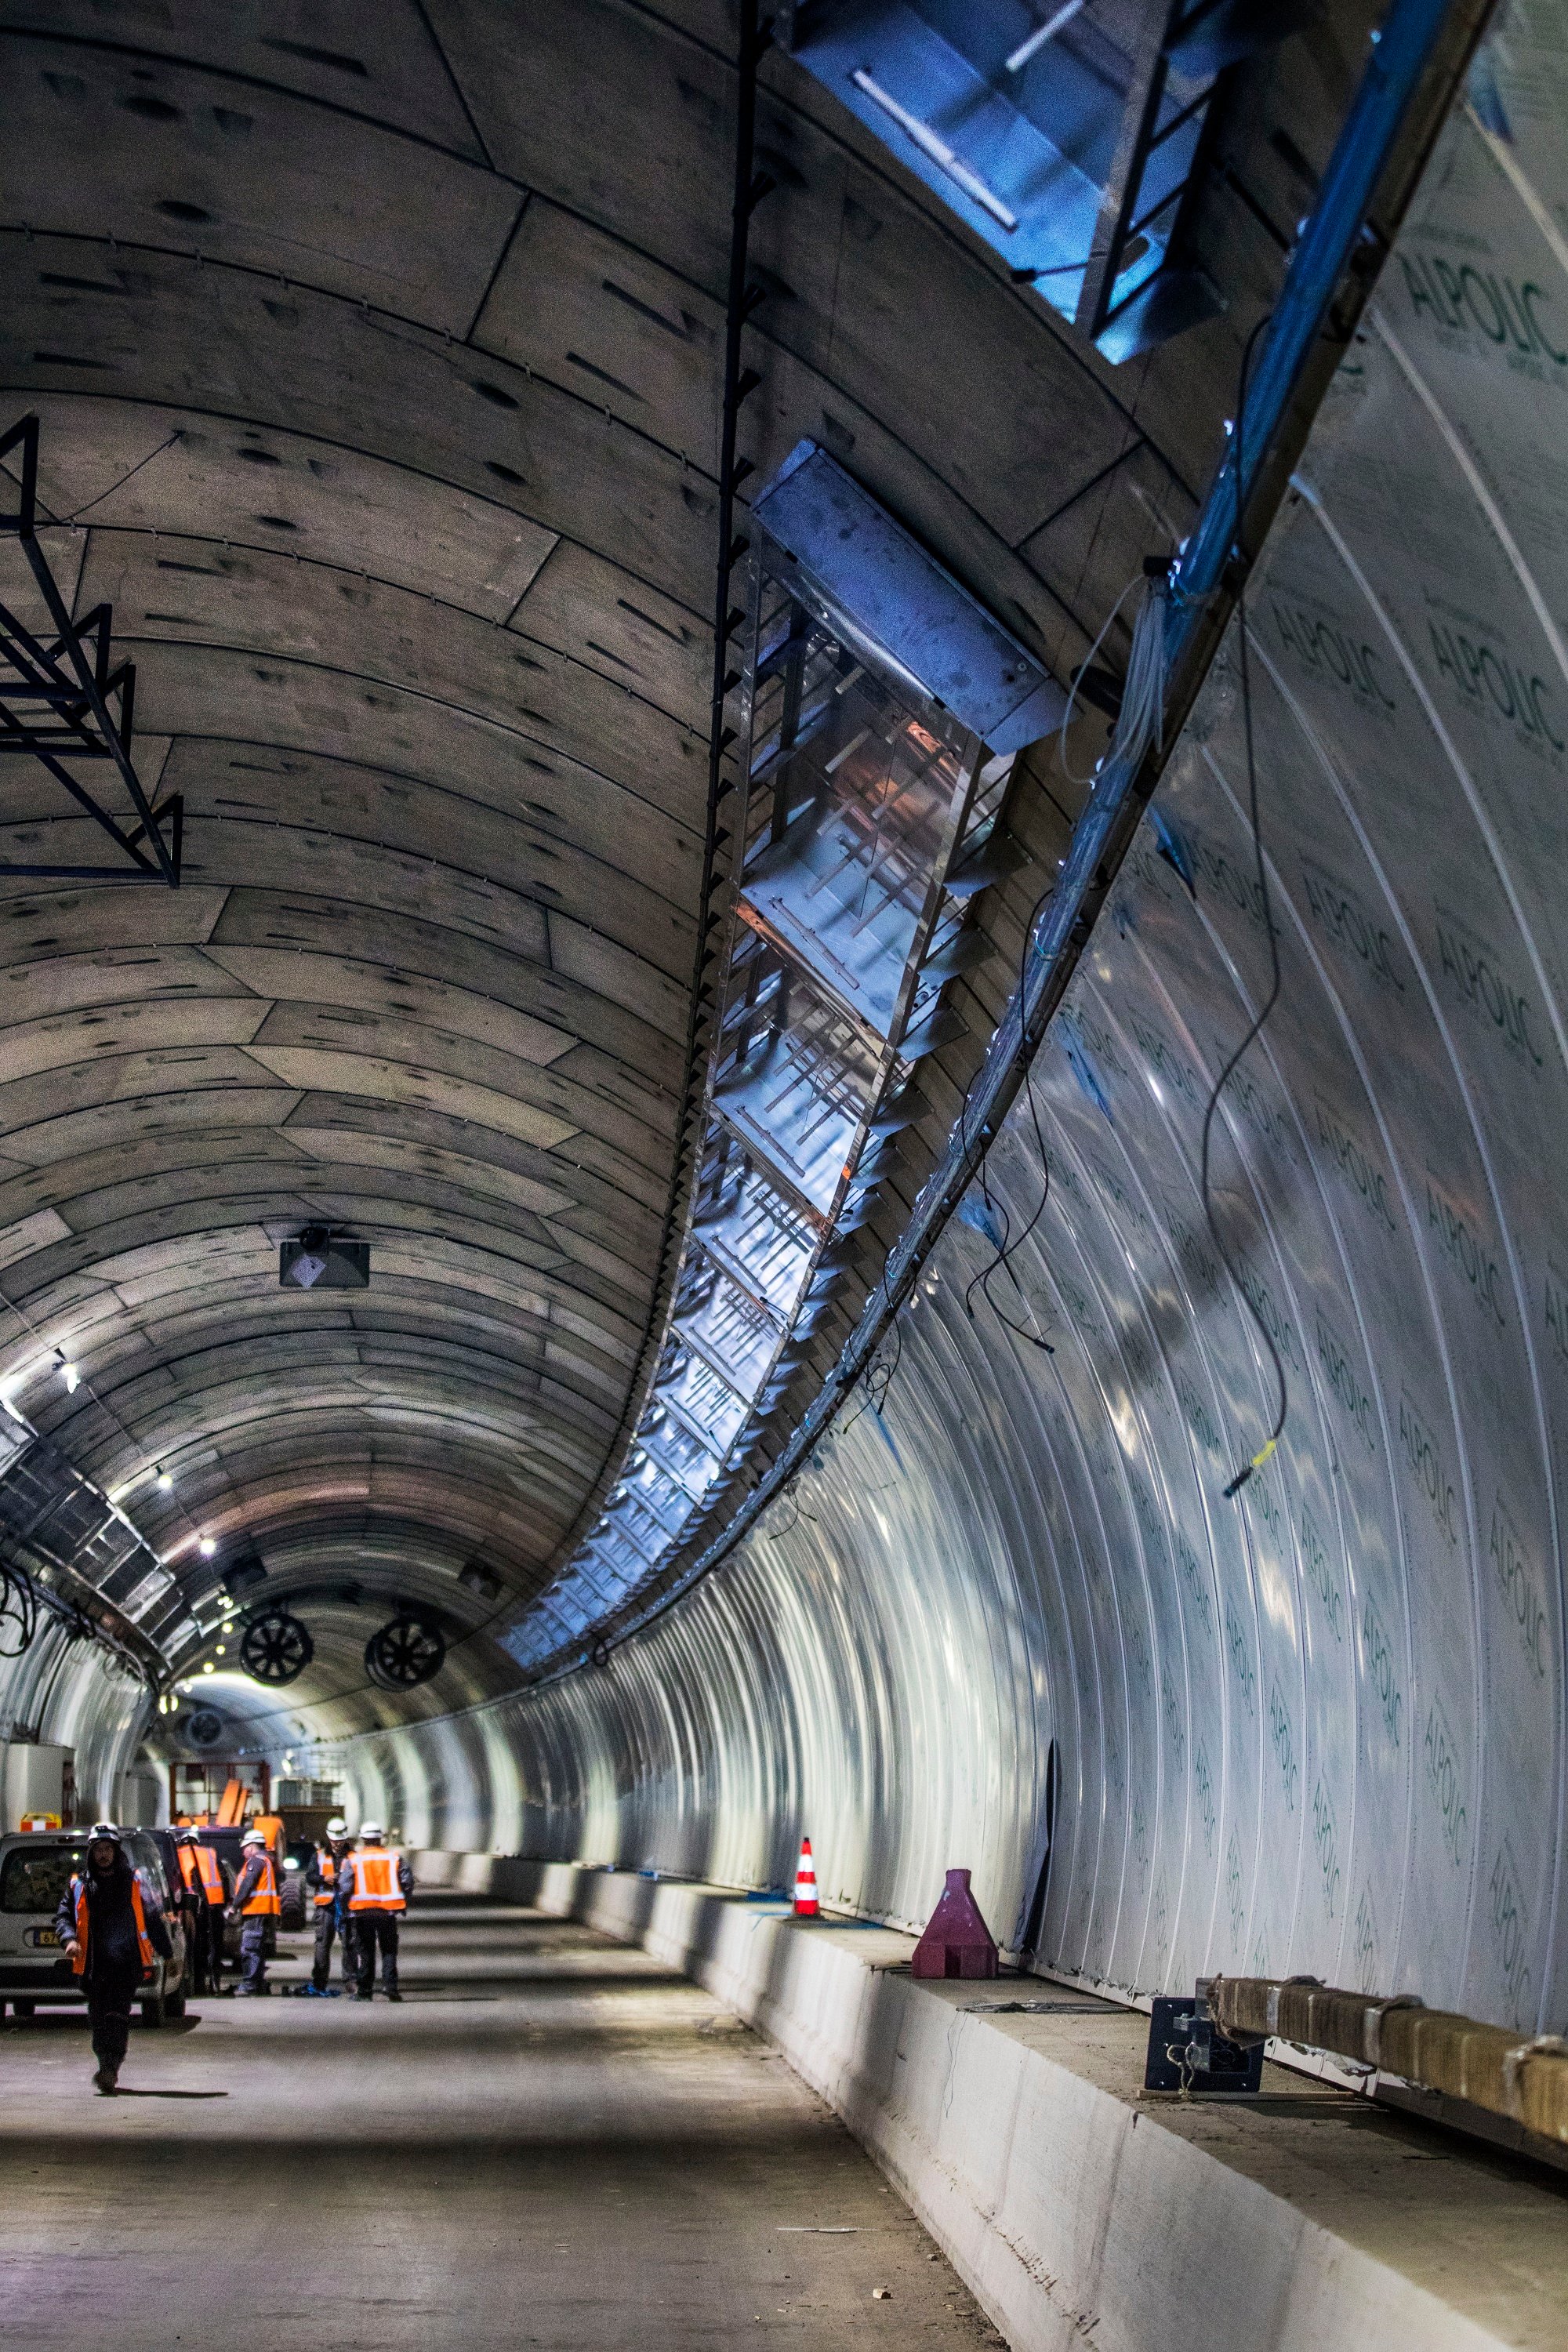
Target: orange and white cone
<point>806,1905</point>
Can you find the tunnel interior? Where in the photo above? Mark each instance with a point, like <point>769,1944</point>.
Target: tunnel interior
<point>1169,1533</point>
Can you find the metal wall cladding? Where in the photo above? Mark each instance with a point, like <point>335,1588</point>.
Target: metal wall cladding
<point>1319,1726</point>
<point>73,1694</point>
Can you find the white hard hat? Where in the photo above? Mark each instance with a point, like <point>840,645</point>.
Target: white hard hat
<point>337,1827</point>
<point>372,1830</point>
<point>253,1837</point>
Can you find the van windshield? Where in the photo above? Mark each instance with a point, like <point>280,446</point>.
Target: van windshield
<point>32,1878</point>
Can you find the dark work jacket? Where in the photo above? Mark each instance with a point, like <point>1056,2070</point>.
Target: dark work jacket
<point>316,1885</point>
<point>112,1952</point>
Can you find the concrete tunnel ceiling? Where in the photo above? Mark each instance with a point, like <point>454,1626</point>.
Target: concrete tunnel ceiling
<point>377,358</point>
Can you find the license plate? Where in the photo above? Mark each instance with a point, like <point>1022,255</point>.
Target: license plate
<point>40,1939</point>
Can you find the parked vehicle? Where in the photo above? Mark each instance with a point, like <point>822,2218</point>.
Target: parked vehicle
<point>35,1868</point>
<point>189,1903</point>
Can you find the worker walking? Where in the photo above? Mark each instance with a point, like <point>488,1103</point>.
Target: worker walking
<point>256,1904</point>
<point>322,1873</point>
<point>202,1874</point>
<point>113,1928</point>
<point>378,1884</point>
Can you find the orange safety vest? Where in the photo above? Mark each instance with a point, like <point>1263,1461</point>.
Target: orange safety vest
<point>264,1903</point>
<point>326,1892</point>
<point>78,1963</point>
<point>372,1881</point>
<point>199,1869</point>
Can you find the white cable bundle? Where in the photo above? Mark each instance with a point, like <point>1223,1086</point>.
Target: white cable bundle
<point>1141,718</point>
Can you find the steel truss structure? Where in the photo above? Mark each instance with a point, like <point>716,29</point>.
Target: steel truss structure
<point>63,699</point>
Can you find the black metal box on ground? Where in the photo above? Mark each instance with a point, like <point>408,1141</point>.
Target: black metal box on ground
<point>1187,2051</point>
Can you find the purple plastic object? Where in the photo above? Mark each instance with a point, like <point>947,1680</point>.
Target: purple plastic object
<point>957,1942</point>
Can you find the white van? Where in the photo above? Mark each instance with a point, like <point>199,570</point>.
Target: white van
<point>35,1868</point>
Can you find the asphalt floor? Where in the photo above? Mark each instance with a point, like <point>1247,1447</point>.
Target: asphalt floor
<point>551,2141</point>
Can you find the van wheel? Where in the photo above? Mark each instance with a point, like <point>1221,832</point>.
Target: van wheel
<point>154,2008</point>
<point>174,2004</point>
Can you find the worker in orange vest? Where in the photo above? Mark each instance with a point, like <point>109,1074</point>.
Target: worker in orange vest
<point>377,1886</point>
<point>257,1905</point>
<point>202,1874</point>
<point>321,1875</point>
<point>111,1927</point>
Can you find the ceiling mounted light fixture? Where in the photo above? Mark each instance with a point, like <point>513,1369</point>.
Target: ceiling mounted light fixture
<point>319,1259</point>
<point>206,1546</point>
<point>71,1373</point>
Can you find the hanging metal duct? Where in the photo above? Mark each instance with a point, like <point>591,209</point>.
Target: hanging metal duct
<point>881,709</point>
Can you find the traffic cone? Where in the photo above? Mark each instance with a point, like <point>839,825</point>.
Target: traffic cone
<point>806,1905</point>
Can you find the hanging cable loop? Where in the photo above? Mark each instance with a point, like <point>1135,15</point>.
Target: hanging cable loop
<point>1255,1027</point>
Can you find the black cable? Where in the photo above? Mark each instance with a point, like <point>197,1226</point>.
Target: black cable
<point>880,1374</point>
<point>876,1381</point>
<point>981,1281</point>
<point>62,522</point>
<point>1255,1028</point>
<point>177,434</point>
<point>19,1605</point>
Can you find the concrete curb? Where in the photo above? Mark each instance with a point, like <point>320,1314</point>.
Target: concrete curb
<point>1073,2216</point>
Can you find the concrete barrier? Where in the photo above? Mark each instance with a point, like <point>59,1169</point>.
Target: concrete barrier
<point>1076,2212</point>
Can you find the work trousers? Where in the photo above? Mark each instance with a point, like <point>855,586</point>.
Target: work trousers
<point>207,1930</point>
<point>369,1929</point>
<point>109,2001</point>
<point>326,1929</point>
<point>253,1954</point>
